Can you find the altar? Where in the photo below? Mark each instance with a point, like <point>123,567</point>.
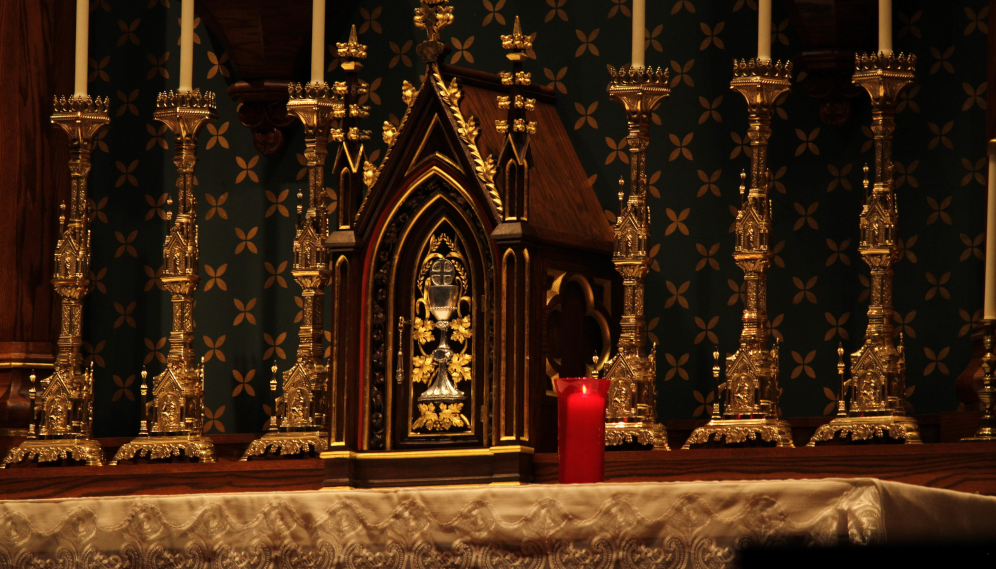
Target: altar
<point>674,525</point>
<point>269,337</point>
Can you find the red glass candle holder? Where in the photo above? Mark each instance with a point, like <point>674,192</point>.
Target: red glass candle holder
<point>581,428</point>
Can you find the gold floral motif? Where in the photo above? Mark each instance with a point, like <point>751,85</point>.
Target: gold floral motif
<point>449,416</point>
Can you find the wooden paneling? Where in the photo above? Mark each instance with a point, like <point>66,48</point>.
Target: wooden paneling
<point>36,55</point>
<point>31,480</point>
<point>966,467</point>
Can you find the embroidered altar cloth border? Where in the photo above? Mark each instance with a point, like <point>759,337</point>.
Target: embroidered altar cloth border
<point>667,525</point>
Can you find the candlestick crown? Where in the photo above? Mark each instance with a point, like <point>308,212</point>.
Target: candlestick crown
<point>309,90</point>
<point>193,99</point>
<point>762,68</point>
<point>883,61</point>
<point>81,104</point>
<point>629,75</point>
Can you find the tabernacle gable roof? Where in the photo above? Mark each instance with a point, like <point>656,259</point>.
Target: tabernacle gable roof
<point>563,208</point>
<point>562,205</point>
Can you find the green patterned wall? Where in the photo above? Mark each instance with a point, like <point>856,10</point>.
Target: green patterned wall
<point>247,310</point>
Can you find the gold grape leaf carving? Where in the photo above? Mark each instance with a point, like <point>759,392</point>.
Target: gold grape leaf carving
<point>421,330</point>
<point>460,329</point>
<point>459,367</point>
<point>449,416</point>
<point>423,369</point>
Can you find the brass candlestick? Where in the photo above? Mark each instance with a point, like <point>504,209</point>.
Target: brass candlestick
<point>631,412</point>
<point>177,418</point>
<point>302,428</point>
<point>987,424</point>
<point>751,385</point>
<point>878,369</point>
<point>66,400</point>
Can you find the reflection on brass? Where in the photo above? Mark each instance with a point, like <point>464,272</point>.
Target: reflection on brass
<point>751,408</point>
<point>65,409</point>
<point>876,392</point>
<point>176,414</point>
<point>442,308</point>
<point>987,424</point>
<point>631,412</point>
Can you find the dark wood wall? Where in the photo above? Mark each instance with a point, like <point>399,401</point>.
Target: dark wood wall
<point>36,62</point>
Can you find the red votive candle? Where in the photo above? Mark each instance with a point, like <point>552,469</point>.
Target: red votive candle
<point>581,429</point>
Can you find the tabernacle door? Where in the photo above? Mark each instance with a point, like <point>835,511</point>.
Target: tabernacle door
<point>439,281</point>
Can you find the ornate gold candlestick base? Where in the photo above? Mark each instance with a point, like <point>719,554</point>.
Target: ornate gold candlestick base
<point>66,401</point>
<point>50,450</point>
<point>876,407</point>
<point>751,412</point>
<point>631,411</point>
<point>176,427</point>
<point>868,428</point>
<point>288,443</point>
<point>167,446</point>
<point>734,431</point>
<point>641,432</point>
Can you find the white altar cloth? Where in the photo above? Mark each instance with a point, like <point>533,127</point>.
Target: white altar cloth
<point>673,525</point>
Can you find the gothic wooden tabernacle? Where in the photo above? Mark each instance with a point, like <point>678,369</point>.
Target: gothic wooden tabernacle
<point>480,233</point>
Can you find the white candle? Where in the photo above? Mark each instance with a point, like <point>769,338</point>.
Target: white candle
<point>82,45</point>
<point>639,32</point>
<point>318,42</point>
<point>187,46</point>
<point>885,26</point>
<point>764,30</point>
<point>989,307</point>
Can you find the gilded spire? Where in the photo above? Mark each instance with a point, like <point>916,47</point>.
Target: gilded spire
<point>517,40</point>
<point>351,49</point>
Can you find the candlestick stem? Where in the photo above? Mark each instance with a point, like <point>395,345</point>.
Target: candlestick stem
<point>632,409</point>
<point>177,424</point>
<point>877,407</point>
<point>328,114</point>
<point>752,410</point>
<point>67,395</point>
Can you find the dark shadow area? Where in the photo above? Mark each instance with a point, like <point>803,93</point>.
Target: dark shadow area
<point>877,557</point>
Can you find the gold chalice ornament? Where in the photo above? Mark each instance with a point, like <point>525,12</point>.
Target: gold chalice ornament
<point>442,296</point>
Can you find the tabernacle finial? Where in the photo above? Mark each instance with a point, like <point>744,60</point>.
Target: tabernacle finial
<point>352,49</point>
<point>517,41</point>
<point>432,16</point>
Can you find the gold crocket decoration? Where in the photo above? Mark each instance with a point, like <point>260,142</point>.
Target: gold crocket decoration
<point>876,391</point>
<point>66,401</point>
<point>176,414</point>
<point>441,306</point>
<point>751,409</point>
<point>631,412</point>
<point>327,114</point>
